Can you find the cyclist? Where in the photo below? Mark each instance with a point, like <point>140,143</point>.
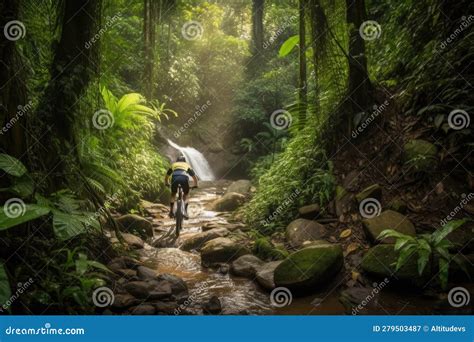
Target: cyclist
<point>178,172</point>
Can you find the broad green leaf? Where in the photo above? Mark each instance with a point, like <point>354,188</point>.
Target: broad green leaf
<point>23,186</point>
<point>288,45</point>
<point>5,291</point>
<point>26,213</point>
<point>11,165</point>
<point>66,225</point>
<point>98,265</point>
<point>405,254</point>
<point>423,258</point>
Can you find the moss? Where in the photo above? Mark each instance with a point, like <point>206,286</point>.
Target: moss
<point>309,267</point>
<point>265,250</point>
<point>421,155</point>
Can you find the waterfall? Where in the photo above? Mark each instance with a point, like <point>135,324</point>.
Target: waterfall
<point>197,161</point>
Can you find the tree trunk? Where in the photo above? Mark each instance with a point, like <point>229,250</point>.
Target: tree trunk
<point>74,65</point>
<point>151,15</point>
<point>257,26</point>
<point>359,83</point>
<point>302,90</point>
<point>13,101</point>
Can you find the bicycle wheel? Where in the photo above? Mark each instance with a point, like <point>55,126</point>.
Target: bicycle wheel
<point>179,217</point>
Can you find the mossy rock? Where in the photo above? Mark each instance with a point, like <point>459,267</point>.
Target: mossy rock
<point>421,155</point>
<point>265,250</point>
<point>373,191</point>
<point>388,219</point>
<point>221,250</point>
<point>381,261</point>
<point>307,269</point>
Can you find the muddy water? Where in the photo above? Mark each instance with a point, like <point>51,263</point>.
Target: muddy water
<point>239,295</point>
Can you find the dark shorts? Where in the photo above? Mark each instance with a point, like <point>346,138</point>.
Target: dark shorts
<point>180,180</point>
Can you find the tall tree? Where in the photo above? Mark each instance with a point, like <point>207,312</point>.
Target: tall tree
<point>12,87</point>
<point>257,27</point>
<point>359,81</point>
<point>151,16</point>
<point>302,89</point>
<point>73,68</point>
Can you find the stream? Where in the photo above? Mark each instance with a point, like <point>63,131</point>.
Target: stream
<point>242,295</point>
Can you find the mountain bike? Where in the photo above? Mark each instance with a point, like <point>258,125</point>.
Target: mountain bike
<point>180,213</point>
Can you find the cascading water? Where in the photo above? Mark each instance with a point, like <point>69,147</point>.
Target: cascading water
<point>197,161</point>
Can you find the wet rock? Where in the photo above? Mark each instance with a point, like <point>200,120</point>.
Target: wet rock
<point>198,240</point>
<point>388,219</point>
<point>123,262</point>
<point>309,211</point>
<point>213,307</point>
<point>135,224</point>
<point>380,261</point>
<point>264,275</point>
<point>221,250</point>
<point>301,230</point>
<point>357,300</point>
<point>420,155</point>
<point>241,186</point>
<point>306,269</point>
<point>264,249</point>
<point>159,290</point>
<point>127,273</point>
<point>145,273</point>
<point>179,288</point>
<point>210,225</point>
<point>138,289</point>
<point>229,202</point>
<point>246,266</point>
<point>167,308</point>
<point>123,301</point>
<point>142,309</point>
<point>133,241</point>
<point>373,191</point>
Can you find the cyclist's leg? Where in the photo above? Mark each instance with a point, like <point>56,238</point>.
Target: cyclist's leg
<point>174,190</point>
<point>185,186</point>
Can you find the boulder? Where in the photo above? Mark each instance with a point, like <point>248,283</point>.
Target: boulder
<point>126,273</point>
<point>264,275</point>
<point>241,186</point>
<point>421,155</point>
<point>210,225</point>
<point>123,301</point>
<point>301,230</point>
<point>309,211</point>
<point>388,219</point>
<point>142,309</point>
<point>309,268</point>
<point>221,250</point>
<point>179,288</point>
<point>229,202</point>
<point>138,289</point>
<point>213,306</point>
<point>133,240</point>
<point>373,191</point>
<point>135,224</point>
<point>198,240</point>
<point>246,266</point>
<point>123,262</point>
<point>380,261</point>
<point>145,273</point>
<point>159,290</point>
